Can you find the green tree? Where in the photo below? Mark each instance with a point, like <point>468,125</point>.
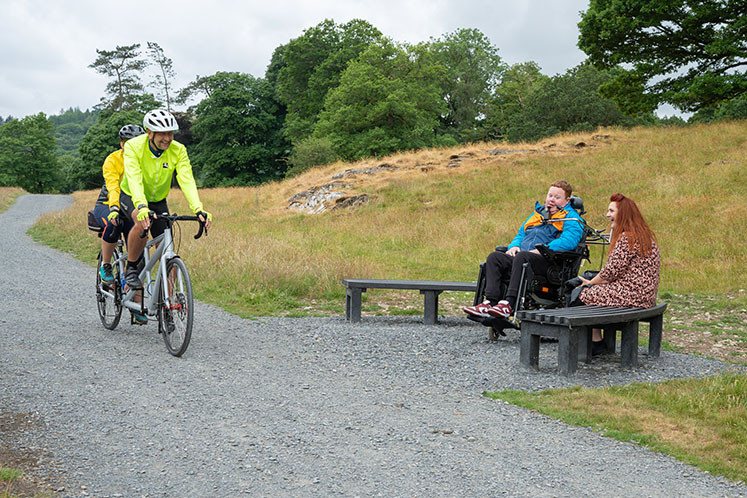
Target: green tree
<point>569,102</point>
<point>511,96</point>
<point>733,109</point>
<point>74,174</point>
<point>27,154</point>
<point>69,128</point>
<point>472,69</point>
<point>164,72</point>
<point>312,64</point>
<point>74,115</point>
<point>238,131</point>
<point>689,53</point>
<point>101,140</point>
<point>123,64</point>
<point>310,152</point>
<point>199,88</point>
<point>68,136</point>
<point>389,99</point>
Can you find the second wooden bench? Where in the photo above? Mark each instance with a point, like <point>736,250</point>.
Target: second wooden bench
<point>429,288</point>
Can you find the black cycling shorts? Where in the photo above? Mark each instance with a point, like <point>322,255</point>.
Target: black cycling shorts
<point>157,226</point>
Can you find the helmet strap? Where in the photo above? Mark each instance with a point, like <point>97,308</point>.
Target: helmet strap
<point>154,149</point>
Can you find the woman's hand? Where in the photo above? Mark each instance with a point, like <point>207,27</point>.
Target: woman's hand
<point>583,281</point>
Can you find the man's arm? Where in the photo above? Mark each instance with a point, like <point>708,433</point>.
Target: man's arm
<point>187,181</point>
<point>516,242</point>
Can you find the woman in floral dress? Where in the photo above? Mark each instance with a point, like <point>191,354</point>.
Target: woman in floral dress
<point>631,275</point>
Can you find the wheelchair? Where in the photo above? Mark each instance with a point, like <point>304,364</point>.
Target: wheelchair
<point>538,291</point>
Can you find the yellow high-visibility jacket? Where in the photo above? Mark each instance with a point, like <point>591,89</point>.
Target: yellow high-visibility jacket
<point>113,173</point>
<point>147,178</point>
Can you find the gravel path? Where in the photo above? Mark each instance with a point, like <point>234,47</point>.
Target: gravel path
<point>298,406</point>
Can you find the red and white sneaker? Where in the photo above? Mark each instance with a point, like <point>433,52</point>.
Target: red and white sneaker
<point>480,310</point>
<point>501,310</point>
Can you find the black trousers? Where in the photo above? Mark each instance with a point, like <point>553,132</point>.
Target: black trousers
<point>502,269</point>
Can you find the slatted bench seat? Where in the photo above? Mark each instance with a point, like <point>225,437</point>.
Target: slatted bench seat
<point>354,287</point>
<point>572,327</point>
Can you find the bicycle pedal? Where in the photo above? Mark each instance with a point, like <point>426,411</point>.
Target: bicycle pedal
<point>138,321</point>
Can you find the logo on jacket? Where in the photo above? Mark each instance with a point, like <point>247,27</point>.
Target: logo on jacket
<point>166,165</point>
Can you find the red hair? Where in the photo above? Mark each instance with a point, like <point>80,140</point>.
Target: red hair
<point>629,221</point>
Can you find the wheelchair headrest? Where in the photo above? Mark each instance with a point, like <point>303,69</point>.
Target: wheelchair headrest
<point>577,204</point>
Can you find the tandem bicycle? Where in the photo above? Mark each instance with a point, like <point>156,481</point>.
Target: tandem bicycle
<point>167,289</point>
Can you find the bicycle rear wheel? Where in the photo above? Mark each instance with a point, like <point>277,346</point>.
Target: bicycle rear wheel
<point>109,296</point>
<point>175,319</point>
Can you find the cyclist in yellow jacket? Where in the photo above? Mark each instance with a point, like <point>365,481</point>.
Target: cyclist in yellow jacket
<point>106,210</point>
<point>149,164</point>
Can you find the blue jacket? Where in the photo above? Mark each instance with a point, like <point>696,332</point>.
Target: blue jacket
<point>557,235</point>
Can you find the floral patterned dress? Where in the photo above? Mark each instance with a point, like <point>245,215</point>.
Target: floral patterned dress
<point>632,280</point>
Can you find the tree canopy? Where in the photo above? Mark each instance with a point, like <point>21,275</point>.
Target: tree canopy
<point>511,97</point>
<point>101,140</point>
<point>123,64</point>
<point>164,73</point>
<point>689,53</point>
<point>567,102</point>
<point>311,66</point>
<point>388,100</point>
<point>27,154</point>
<point>344,91</point>
<point>238,131</point>
<point>472,69</point>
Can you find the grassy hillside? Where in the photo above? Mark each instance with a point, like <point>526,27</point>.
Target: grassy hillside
<point>436,214</point>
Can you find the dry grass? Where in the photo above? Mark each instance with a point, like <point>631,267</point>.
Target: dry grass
<point>440,211</point>
<point>8,196</point>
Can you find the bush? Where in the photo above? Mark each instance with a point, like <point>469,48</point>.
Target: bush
<point>310,152</point>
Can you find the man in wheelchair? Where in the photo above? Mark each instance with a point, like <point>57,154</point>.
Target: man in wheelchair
<point>538,257</point>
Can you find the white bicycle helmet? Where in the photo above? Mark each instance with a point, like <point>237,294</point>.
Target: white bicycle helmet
<point>160,120</point>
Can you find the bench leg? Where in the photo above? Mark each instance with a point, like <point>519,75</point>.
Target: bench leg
<point>609,337</point>
<point>584,345</point>
<point>568,350</point>
<point>353,304</point>
<point>530,345</point>
<point>629,346</point>
<point>654,336</point>
<point>430,313</point>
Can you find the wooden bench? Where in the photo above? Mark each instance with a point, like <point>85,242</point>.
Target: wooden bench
<point>572,327</point>
<point>354,287</point>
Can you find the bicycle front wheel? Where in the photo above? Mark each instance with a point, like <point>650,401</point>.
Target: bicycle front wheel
<point>175,314</point>
<point>109,296</point>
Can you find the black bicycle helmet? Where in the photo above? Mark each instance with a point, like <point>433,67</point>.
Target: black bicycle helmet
<point>130,131</point>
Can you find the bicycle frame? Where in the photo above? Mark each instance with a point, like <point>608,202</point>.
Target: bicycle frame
<point>164,251</point>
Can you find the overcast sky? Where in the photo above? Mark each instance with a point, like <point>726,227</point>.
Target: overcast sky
<point>46,46</point>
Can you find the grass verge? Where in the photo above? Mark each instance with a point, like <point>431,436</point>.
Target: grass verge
<point>8,196</point>
<point>702,422</point>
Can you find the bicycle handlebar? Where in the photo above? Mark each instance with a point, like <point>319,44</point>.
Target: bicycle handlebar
<point>171,218</point>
